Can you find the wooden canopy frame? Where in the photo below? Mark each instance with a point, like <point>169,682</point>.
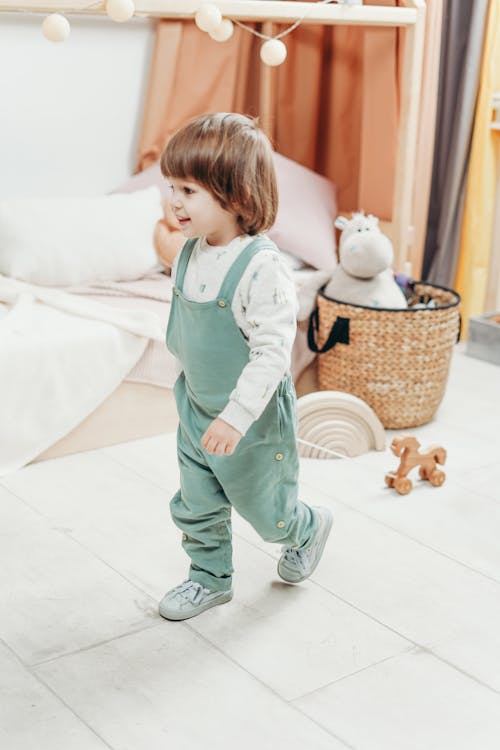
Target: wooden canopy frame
<point>410,17</point>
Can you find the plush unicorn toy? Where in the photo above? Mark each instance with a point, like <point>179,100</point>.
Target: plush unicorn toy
<point>364,274</point>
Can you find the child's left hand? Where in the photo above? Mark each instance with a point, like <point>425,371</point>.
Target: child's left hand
<point>220,438</point>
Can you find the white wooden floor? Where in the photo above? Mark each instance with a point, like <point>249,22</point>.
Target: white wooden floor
<point>394,644</point>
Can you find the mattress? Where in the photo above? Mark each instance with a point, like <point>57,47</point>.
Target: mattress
<point>135,411</point>
<point>154,293</point>
<point>143,405</point>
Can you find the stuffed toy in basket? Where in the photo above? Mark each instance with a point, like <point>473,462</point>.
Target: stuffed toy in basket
<point>395,356</point>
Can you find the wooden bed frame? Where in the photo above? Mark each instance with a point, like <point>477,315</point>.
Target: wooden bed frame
<point>410,17</point>
<point>117,419</point>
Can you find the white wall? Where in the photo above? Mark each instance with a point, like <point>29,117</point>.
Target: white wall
<point>70,112</point>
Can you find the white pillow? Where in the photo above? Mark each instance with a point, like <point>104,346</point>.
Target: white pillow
<point>66,241</point>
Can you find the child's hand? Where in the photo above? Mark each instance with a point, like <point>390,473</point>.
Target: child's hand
<point>220,438</point>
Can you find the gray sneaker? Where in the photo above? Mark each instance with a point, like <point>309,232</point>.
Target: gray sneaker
<point>297,563</point>
<point>189,598</point>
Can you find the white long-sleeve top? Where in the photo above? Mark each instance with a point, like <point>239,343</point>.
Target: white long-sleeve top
<point>265,309</point>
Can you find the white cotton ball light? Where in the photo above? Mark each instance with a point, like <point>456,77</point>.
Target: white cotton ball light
<point>223,32</point>
<point>55,27</point>
<point>273,52</point>
<point>208,17</point>
<point>120,10</point>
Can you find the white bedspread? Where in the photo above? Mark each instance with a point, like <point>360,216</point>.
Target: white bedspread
<point>154,292</point>
<point>61,355</point>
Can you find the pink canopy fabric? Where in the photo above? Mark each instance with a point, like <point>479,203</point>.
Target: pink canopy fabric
<point>335,110</point>
<point>335,107</point>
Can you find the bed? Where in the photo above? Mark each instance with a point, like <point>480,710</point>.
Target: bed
<point>85,364</point>
<point>142,405</point>
<point>407,15</point>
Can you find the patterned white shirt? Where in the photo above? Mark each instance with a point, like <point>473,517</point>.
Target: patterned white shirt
<point>265,309</point>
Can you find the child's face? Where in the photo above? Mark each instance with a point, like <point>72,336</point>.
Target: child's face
<point>200,214</point>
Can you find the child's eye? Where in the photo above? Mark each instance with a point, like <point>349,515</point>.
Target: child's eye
<point>187,191</point>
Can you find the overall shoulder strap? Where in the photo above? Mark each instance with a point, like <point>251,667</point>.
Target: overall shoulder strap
<point>182,265</point>
<point>239,266</point>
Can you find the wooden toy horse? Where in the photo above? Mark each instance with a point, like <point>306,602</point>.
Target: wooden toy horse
<point>407,447</point>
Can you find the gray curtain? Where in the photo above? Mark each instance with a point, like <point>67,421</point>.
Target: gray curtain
<point>464,23</point>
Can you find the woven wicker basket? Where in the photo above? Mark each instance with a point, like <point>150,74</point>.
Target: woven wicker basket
<point>395,360</point>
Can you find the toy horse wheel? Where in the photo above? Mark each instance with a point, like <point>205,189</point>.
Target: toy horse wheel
<point>437,478</point>
<point>403,485</point>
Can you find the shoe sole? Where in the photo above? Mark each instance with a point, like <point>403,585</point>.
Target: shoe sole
<point>228,595</point>
<point>329,524</point>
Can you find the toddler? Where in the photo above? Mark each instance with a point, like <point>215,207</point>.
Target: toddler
<point>232,326</point>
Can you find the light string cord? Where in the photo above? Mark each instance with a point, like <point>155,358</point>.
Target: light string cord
<point>283,33</point>
<point>290,28</point>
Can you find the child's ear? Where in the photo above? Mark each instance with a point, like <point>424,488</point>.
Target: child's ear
<point>237,205</point>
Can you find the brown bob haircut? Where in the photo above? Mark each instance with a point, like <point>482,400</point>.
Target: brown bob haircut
<point>231,157</point>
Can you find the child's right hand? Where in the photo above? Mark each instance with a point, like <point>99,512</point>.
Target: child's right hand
<point>220,438</point>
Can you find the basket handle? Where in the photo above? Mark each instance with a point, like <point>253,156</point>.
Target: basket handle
<point>338,335</point>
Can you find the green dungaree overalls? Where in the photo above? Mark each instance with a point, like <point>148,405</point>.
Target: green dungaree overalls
<point>260,478</point>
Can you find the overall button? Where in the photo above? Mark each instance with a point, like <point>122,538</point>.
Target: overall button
<point>184,537</point>
<point>176,292</point>
<point>221,303</point>
<point>279,457</point>
<point>280,524</point>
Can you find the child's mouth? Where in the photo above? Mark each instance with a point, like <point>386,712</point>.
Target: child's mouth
<point>182,221</point>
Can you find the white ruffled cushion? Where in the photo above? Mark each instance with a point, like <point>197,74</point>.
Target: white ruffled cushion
<point>75,240</point>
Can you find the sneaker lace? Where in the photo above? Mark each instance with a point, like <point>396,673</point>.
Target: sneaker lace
<point>298,557</point>
<point>190,591</point>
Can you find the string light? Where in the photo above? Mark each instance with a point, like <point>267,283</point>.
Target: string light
<point>223,32</point>
<point>273,52</point>
<point>120,10</point>
<point>55,27</point>
<point>208,17</point>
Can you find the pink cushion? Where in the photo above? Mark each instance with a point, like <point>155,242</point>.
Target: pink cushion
<point>306,212</point>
